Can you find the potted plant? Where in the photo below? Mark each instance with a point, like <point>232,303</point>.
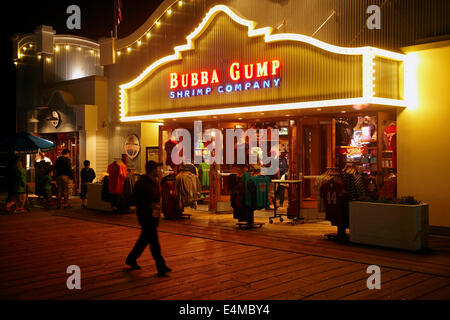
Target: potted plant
<point>397,223</point>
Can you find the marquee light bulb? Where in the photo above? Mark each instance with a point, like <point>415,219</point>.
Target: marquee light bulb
<point>169,12</point>
<point>148,35</point>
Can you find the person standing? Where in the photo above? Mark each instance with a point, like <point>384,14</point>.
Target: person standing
<point>147,198</point>
<point>42,165</point>
<point>18,186</point>
<point>46,186</point>
<point>87,175</point>
<point>64,178</point>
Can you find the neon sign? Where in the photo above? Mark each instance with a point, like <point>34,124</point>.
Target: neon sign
<point>260,75</point>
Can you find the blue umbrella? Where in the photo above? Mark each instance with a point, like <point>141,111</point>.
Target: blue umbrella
<point>25,143</point>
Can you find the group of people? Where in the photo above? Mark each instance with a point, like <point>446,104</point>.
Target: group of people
<point>146,196</point>
<point>61,172</point>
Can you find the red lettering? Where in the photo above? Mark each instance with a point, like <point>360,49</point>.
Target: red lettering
<point>235,74</point>
<point>248,74</point>
<point>214,77</point>
<point>194,79</point>
<point>204,77</point>
<point>275,67</point>
<point>184,80</point>
<point>173,80</point>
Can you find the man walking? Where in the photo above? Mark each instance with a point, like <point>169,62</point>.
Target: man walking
<point>147,200</point>
<point>63,177</point>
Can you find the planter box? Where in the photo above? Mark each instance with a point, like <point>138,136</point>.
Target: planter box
<point>389,225</point>
<point>95,198</point>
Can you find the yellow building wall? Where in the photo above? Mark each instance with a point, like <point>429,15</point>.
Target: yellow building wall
<point>423,132</point>
<point>149,138</point>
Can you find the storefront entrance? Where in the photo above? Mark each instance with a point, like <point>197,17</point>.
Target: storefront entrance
<point>66,141</point>
<point>310,146</point>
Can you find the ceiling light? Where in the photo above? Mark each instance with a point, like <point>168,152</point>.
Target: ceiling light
<point>33,120</point>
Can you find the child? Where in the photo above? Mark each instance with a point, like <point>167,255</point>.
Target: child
<point>46,185</point>
<point>87,176</point>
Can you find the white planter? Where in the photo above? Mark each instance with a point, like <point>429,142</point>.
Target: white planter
<point>389,225</point>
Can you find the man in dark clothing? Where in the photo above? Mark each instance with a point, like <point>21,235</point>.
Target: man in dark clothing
<point>63,177</point>
<point>147,200</point>
<point>87,175</point>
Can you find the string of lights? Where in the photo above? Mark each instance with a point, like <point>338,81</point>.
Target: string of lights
<point>147,35</point>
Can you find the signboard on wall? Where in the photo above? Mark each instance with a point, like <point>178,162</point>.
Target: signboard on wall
<point>227,62</point>
<point>132,146</point>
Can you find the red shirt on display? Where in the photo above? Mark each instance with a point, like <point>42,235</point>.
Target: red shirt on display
<point>332,193</point>
<point>117,174</point>
<point>169,146</point>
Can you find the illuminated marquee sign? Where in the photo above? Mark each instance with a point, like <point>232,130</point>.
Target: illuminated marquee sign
<point>229,66</point>
<point>251,76</point>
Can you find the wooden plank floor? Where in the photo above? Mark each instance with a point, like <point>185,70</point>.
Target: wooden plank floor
<point>208,261</point>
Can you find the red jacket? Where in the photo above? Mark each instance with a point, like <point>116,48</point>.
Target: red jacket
<point>117,174</point>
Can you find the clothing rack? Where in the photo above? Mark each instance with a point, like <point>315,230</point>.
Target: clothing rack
<point>280,215</point>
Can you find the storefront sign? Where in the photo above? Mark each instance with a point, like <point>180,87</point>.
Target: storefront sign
<point>260,75</point>
<point>229,66</point>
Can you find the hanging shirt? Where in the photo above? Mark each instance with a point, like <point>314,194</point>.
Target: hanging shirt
<point>257,191</point>
<point>117,174</point>
<point>203,173</point>
<point>332,193</point>
<point>168,147</point>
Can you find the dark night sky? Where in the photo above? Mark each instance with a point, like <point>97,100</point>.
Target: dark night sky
<point>96,22</point>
